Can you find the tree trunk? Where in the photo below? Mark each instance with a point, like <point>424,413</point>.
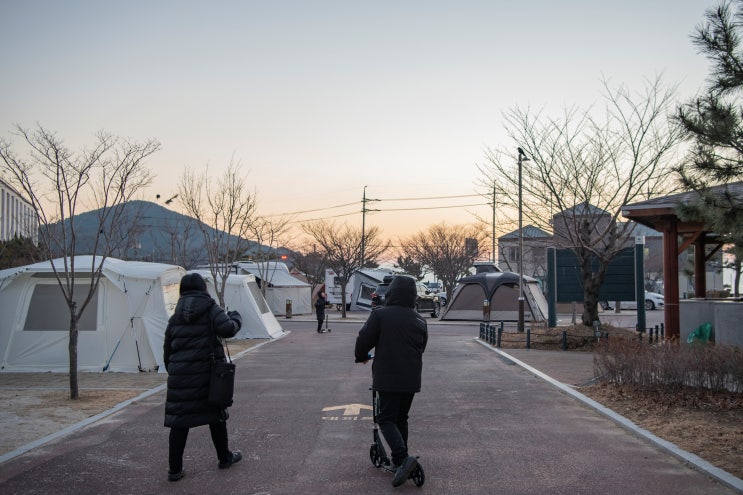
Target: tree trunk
<point>343,299</point>
<point>74,391</point>
<point>590,300</point>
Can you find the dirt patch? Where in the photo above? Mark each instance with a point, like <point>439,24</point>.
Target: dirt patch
<point>34,405</point>
<point>709,425</point>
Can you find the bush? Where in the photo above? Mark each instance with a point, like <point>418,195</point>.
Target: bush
<point>669,367</point>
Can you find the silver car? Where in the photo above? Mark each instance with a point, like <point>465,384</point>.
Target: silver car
<point>653,300</point>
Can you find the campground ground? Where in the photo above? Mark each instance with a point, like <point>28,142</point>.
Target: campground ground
<point>36,405</point>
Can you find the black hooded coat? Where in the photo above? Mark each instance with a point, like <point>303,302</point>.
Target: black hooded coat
<point>398,335</point>
<point>187,354</point>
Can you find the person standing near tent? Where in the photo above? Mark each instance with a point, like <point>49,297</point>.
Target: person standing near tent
<point>191,342</point>
<point>320,310</point>
<point>399,335</point>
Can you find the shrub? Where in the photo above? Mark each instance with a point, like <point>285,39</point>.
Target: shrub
<point>669,367</point>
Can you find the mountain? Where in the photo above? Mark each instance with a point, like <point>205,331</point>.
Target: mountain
<point>161,235</point>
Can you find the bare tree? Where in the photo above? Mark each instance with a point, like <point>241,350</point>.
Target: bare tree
<point>174,242</point>
<point>224,210</point>
<point>447,251</point>
<point>410,266</point>
<point>268,234</point>
<point>57,180</point>
<point>312,264</point>
<point>342,246</point>
<point>581,170</point>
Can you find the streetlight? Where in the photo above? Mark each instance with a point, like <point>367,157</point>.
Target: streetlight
<point>522,158</point>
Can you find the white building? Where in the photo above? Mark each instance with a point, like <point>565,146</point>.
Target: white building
<point>17,217</point>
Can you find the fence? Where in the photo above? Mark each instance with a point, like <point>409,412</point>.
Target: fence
<point>495,334</point>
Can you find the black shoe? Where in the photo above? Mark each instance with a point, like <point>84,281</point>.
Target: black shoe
<point>234,458</point>
<point>176,476</point>
<point>404,471</point>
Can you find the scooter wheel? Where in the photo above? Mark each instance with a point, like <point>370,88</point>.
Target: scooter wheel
<point>418,476</point>
<point>374,455</point>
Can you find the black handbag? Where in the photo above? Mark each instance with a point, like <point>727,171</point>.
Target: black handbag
<point>222,379</point>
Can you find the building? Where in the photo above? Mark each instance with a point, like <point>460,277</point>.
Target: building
<point>17,216</point>
<point>536,242</point>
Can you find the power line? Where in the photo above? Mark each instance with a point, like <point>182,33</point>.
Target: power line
<point>312,211</point>
<point>387,199</point>
<point>325,218</point>
<point>434,207</point>
<point>389,209</point>
<point>432,197</point>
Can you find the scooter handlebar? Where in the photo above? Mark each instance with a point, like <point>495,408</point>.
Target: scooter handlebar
<point>368,357</point>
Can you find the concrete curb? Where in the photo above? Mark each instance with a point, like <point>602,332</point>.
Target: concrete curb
<point>82,424</point>
<point>697,462</point>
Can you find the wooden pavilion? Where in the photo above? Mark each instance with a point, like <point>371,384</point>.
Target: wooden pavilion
<point>678,235</point>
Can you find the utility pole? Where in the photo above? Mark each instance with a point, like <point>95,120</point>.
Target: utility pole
<point>364,209</point>
<point>493,240</point>
<point>520,327</point>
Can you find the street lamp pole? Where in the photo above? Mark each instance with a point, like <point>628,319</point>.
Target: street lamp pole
<point>522,158</point>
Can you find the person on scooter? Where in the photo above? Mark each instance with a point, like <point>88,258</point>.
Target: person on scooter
<point>399,335</point>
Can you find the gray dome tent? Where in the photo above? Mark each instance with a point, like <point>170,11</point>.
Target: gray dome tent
<point>501,289</point>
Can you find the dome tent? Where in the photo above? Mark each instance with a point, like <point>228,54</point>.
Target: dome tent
<point>501,290</point>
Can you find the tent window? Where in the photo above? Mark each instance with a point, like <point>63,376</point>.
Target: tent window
<point>259,299</point>
<point>48,309</point>
<point>366,292</point>
<point>171,293</point>
<point>505,298</point>
<point>470,296</point>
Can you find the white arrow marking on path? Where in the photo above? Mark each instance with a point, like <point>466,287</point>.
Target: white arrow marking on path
<point>349,409</point>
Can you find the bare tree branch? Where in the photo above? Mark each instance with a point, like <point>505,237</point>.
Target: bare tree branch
<point>57,181</point>
<point>581,170</point>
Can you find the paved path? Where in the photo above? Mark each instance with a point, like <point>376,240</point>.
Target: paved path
<point>481,426</point>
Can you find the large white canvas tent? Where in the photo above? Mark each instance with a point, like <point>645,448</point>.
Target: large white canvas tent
<point>241,293</point>
<point>501,290</point>
<point>282,287</point>
<point>122,329</point>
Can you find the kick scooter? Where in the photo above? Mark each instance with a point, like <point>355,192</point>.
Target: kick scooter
<point>378,454</point>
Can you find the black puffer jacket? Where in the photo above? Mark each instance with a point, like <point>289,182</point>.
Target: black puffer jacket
<point>398,335</point>
<point>186,352</point>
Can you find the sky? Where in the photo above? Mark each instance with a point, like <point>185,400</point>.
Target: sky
<point>322,101</point>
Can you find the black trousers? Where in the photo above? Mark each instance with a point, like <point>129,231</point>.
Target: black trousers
<point>320,320</point>
<point>393,422</point>
<point>177,444</point>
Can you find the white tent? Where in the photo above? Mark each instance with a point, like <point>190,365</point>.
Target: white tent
<point>363,283</point>
<point>501,290</point>
<point>122,329</point>
<point>242,294</point>
<point>282,287</point>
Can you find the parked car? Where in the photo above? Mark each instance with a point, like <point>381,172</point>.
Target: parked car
<point>653,300</point>
<point>425,300</point>
<point>443,298</point>
<point>377,297</point>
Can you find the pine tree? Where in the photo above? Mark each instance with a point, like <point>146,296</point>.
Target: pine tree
<point>714,122</point>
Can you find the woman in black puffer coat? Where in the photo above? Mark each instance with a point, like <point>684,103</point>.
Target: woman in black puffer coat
<point>187,351</point>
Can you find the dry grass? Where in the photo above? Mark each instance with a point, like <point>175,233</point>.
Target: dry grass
<point>691,396</point>
<point>706,423</point>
